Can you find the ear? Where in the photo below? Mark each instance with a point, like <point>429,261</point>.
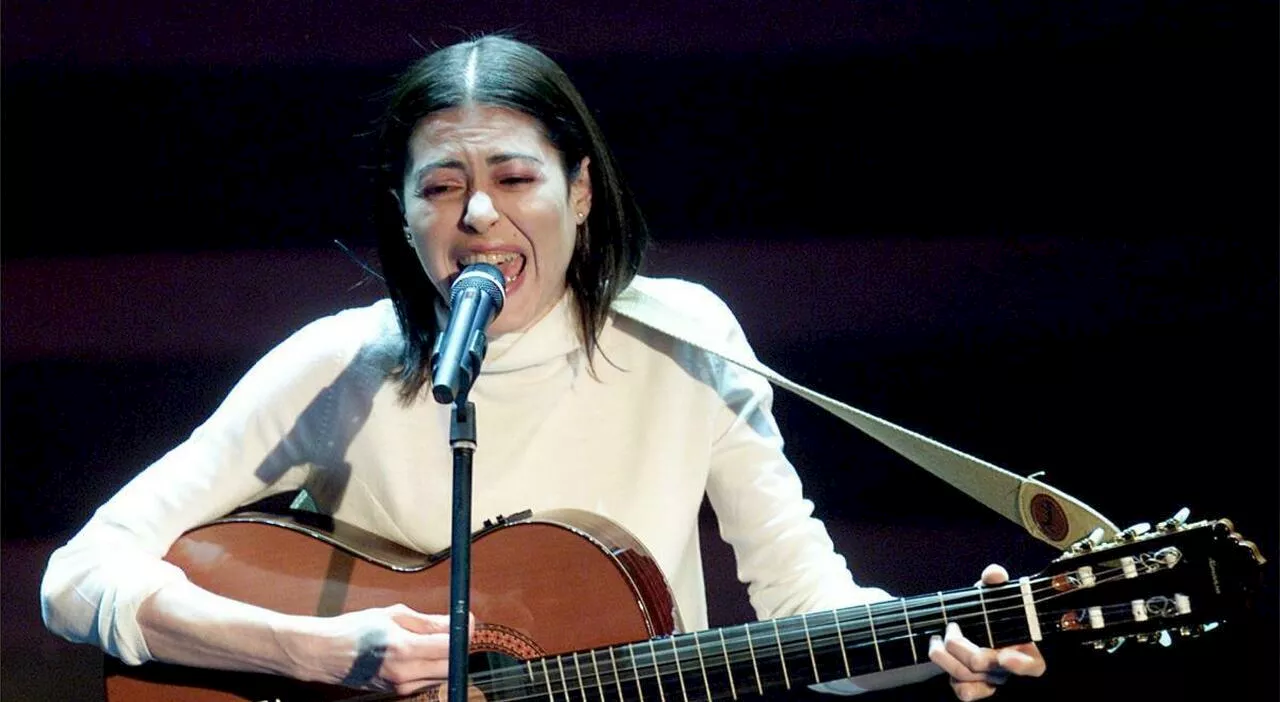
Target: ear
<point>580,190</point>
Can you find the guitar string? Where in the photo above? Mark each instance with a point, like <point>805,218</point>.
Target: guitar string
<point>887,633</point>
<point>535,688</point>
<point>668,661</point>
<point>667,679</point>
<point>894,634</point>
<point>849,626</point>
<point>891,634</point>
<point>828,649</point>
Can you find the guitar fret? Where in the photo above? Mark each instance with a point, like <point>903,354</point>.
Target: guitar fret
<point>986,619</point>
<point>546,676</point>
<point>657,673</point>
<point>942,602</point>
<point>563,681</point>
<point>844,655</point>
<point>578,671</point>
<point>533,679</point>
<point>804,620</point>
<point>702,665</point>
<point>906,617</point>
<point>874,641</point>
<point>617,677</point>
<point>636,671</point>
<point>752,649</point>
<point>679,673</point>
<point>596,668</point>
<point>782,656</point>
<point>728,667</point>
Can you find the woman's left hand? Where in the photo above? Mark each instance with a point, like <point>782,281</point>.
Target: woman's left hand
<point>976,671</point>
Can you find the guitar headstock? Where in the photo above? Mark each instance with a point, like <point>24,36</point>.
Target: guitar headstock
<point>1152,584</point>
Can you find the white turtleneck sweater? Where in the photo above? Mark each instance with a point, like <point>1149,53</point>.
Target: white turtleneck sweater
<point>658,426</point>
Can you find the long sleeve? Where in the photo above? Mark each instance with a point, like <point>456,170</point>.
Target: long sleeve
<point>783,552</point>
<point>94,584</point>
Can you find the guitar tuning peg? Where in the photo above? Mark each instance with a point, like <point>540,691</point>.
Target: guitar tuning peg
<point>1108,645</point>
<point>1089,542</point>
<point>1197,629</point>
<point>1135,531</point>
<point>1176,521</point>
<point>1157,637</point>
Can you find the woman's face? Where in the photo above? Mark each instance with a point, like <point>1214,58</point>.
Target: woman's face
<point>484,185</point>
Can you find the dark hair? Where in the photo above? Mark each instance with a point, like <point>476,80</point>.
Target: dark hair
<point>507,73</point>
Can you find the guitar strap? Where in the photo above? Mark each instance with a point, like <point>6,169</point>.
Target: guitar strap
<point>1043,511</point>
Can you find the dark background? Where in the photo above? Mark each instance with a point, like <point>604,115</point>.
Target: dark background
<point>1045,234</point>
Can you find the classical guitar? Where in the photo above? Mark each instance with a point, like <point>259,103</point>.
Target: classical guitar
<point>570,607</point>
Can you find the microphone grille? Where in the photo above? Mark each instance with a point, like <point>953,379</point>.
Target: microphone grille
<point>484,277</point>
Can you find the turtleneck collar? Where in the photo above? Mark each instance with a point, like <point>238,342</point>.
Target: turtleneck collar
<point>553,337</point>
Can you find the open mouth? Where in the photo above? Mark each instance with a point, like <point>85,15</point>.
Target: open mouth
<point>509,262</point>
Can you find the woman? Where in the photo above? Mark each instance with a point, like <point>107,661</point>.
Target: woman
<point>488,155</point>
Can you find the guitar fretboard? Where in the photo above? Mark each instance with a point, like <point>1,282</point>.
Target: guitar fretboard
<point>759,657</point>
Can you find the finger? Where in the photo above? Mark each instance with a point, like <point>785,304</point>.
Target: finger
<point>412,645</point>
<point>970,654</point>
<point>416,659</point>
<point>994,574</point>
<point>1023,659</point>
<point>951,665</point>
<point>418,622</point>
<point>971,690</point>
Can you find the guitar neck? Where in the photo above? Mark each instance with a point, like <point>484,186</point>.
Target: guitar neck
<point>775,654</point>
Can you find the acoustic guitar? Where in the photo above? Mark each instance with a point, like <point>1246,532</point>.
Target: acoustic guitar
<point>570,607</point>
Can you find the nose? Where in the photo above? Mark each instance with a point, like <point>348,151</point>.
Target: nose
<point>480,214</point>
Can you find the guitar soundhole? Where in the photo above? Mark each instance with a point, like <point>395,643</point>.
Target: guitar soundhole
<point>487,669</point>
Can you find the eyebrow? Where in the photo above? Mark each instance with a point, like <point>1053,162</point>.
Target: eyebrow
<point>493,160</point>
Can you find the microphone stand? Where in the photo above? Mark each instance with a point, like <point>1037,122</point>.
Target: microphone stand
<point>462,437</point>
<point>476,297</point>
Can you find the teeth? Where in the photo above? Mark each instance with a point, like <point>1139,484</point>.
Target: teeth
<point>496,259</point>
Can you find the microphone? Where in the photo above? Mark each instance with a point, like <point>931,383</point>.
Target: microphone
<point>475,298</point>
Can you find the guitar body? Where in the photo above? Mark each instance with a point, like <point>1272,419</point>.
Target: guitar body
<point>553,583</point>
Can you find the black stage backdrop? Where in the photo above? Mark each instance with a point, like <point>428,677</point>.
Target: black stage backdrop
<point>1044,234</point>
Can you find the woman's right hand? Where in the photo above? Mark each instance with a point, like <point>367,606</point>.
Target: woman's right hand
<point>388,648</point>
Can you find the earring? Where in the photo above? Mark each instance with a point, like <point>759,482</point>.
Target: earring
<point>580,216</point>
<point>408,237</point>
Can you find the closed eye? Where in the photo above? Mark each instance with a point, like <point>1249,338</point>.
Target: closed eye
<point>431,191</point>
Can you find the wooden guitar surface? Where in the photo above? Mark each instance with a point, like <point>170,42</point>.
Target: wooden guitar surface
<point>558,582</point>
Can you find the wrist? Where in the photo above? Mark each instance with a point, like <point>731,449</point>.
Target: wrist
<point>299,639</point>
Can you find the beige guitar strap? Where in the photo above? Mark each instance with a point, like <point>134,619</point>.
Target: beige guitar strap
<point>1045,512</point>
